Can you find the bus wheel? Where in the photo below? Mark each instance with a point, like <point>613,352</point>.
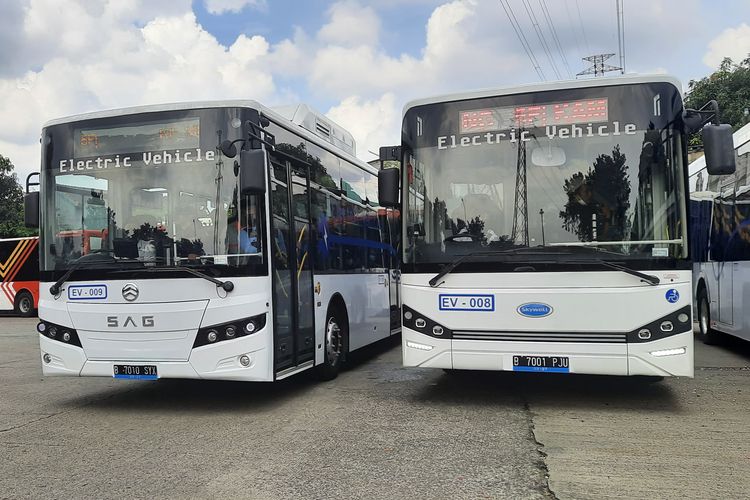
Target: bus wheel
<point>335,345</point>
<point>707,334</point>
<point>24,304</point>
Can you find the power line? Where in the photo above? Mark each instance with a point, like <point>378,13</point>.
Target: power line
<point>522,38</point>
<point>540,36</point>
<point>555,38</point>
<point>583,28</point>
<point>575,31</point>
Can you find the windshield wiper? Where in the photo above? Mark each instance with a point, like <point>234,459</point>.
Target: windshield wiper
<point>435,281</point>
<point>227,286</point>
<point>539,250</point>
<point>84,259</point>
<point>648,278</point>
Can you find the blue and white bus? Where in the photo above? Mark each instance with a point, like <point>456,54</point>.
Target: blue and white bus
<point>545,227</point>
<point>720,236</point>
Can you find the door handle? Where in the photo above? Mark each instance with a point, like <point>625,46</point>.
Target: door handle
<point>381,279</point>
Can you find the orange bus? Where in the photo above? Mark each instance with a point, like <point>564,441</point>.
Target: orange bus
<point>19,270</point>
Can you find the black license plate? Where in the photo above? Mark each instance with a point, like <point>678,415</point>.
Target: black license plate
<point>135,372</point>
<point>555,364</point>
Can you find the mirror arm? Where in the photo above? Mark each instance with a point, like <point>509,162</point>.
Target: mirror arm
<point>30,183</point>
<point>709,112</point>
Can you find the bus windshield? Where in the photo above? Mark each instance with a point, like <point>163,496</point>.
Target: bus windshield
<point>594,167</point>
<point>152,191</point>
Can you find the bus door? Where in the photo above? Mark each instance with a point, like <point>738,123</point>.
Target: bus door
<point>394,258</point>
<point>726,266</point>
<point>291,244</point>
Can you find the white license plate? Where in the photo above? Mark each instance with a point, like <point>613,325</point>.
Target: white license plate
<point>466,302</point>
<point>87,292</point>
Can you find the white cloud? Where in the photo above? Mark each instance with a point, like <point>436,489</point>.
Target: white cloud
<point>170,58</point>
<point>218,7</point>
<point>351,24</point>
<point>373,123</point>
<point>732,42</point>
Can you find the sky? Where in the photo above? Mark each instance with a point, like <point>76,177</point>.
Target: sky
<point>356,61</point>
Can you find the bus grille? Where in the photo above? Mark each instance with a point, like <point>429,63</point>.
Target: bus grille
<point>587,337</point>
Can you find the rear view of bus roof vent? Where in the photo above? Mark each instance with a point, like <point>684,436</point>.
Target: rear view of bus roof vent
<point>320,125</point>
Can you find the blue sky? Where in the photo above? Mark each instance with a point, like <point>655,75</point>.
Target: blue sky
<point>354,60</point>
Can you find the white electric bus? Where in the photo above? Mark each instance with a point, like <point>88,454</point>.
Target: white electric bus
<point>720,236</point>
<point>212,240</point>
<point>545,227</point>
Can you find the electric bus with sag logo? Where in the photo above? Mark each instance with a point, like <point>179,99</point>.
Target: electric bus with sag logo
<point>217,240</point>
<point>545,227</point>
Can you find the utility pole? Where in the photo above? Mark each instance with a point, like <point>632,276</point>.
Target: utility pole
<point>541,214</point>
<point>598,67</point>
<point>621,34</point>
<point>521,209</point>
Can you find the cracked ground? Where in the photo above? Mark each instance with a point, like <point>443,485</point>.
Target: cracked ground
<point>378,431</point>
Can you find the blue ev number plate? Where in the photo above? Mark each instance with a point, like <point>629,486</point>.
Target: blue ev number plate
<point>554,364</point>
<point>466,302</point>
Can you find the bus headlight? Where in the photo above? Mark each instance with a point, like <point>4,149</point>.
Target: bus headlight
<point>230,330</point>
<point>58,333</point>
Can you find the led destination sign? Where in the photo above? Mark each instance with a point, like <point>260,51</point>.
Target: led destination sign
<point>538,115</point>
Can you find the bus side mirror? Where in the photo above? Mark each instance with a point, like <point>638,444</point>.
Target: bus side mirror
<point>719,149</point>
<point>388,187</point>
<point>31,209</point>
<point>252,167</point>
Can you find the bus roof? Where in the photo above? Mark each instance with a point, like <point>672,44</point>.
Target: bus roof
<point>545,86</point>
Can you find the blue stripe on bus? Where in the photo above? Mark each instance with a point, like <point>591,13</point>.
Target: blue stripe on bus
<point>540,369</point>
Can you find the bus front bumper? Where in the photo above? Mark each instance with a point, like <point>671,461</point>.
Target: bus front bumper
<point>670,356</point>
<point>221,361</point>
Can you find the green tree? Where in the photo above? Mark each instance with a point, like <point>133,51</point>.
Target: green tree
<point>604,192</point>
<point>11,203</point>
<point>730,86</point>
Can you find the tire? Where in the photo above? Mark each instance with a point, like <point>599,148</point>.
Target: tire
<point>24,304</point>
<point>707,334</point>
<point>336,345</point>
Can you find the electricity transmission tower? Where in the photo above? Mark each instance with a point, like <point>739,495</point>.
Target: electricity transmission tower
<point>521,209</point>
<point>598,66</point>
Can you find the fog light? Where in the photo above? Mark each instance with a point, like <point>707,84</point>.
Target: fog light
<point>245,360</point>
<point>420,323</point>
<point>229,332</point>
<point>437,330</point>
<point>47,358</point>
<point>250,327</point>
<point>683,318</point>
<point>421,347</point>
<point>212,335</point>
<point>52,332</point>
<point>666,326</point>
<point>408,315</point>
<point>66,336</point>
<point>644,334</point>
<point>40,327</point>
<point>669,352</point>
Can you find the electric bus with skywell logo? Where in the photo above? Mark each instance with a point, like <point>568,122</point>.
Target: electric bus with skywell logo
<point>216,240</point>
<point>545,227</point>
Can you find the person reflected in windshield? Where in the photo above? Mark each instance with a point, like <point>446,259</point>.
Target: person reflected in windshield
<point>242,231</point>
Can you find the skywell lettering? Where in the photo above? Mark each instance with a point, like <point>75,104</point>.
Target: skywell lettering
<point>551,131</point>
<point>147,158</point>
